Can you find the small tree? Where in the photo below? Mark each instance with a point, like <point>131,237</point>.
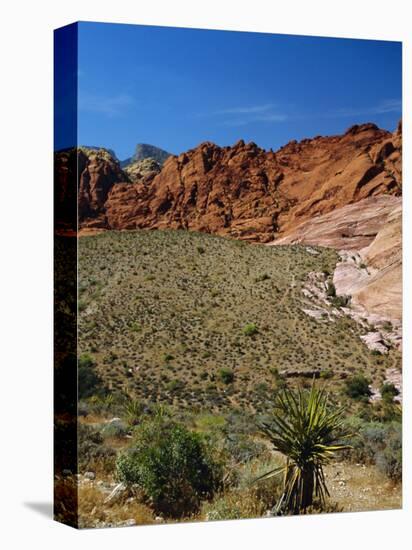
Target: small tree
<point>308,434</point>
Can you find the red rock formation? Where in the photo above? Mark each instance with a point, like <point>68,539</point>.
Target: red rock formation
<point>98,171</point>
<point>243,191</point>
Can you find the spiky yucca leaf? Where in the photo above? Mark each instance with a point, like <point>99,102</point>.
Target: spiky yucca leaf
<point>308,434</point>
<point>133,410</point>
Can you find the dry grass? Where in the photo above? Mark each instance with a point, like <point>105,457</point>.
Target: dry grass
<point>94,513</point>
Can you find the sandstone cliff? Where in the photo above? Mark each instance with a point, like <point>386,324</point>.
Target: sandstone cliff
<point>243,191</point>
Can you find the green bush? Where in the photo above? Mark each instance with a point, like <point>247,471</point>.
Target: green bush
<point>226,375</point>
<point>171,465</point>
<point>388,392</point>
<point>135,327</point>
<point>357,387</point>
<point>250,329</point>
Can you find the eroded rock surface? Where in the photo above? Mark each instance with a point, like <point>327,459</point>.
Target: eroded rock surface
<point>373,276</point>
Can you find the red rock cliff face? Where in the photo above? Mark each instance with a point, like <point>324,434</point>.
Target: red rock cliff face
<point>98,171</point>
<point>245,192</point>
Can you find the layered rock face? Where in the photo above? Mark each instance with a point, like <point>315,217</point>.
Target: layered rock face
<point>373,276</point>
<point>351,227</point>
<point>247,193</point>
<point>368,235</point>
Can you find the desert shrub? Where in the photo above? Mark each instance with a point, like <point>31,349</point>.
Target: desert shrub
<point>231,505</point>
<point>89,381</point>
<point>331,290</point>
<point>261,278</point>
<point>388,392</point>
<point>210,422</point>
<point>115,428</point>
<point>172,465</point>
<point>174,385</point>
<point>340,301</point>
<point>378,443</point>
<point>135,327</point>
<point>389,460</point>
<point>93,454</point>
<point>226,375</point>
<point>242,448</point>
<point>383,411</point>
<point>247,499</point>
<point>250,329</point>
<point>357,387</point>
<point>326,374</point>
<point>103,404</point>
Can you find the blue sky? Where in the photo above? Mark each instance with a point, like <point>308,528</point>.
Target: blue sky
<point>175,88</point>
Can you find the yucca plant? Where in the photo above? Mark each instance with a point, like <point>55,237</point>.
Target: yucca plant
<point>133,410</point>
<point>308,434</point>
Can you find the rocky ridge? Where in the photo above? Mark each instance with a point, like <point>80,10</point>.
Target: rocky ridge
<point>248,193</point>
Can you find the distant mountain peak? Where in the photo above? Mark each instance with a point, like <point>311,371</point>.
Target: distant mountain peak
<point>145,150</point>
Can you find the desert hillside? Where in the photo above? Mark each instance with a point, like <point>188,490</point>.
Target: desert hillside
<point>168,315</point>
